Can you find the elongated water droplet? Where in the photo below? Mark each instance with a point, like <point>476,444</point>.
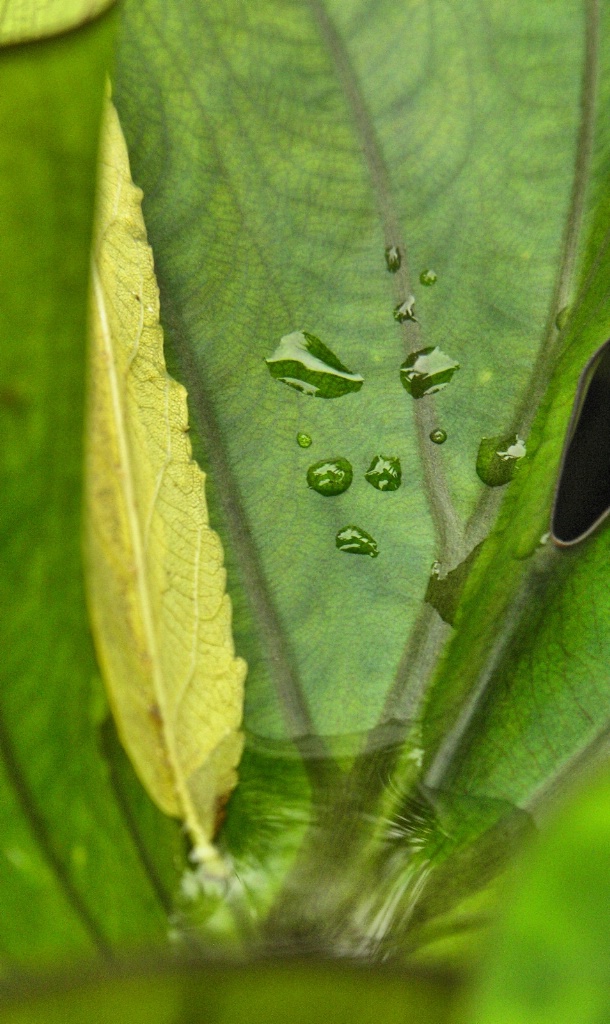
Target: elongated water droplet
<point>330,476</point>
<point>303,362</point>
<point>582,500</point>
<point>304,440</point>
<point>444,592</point>
<point>355,541</point>
<point>384,473</point>
<point>497,458</point>
<point>562,318</point>
<point>438,436</point>
<point>428,278</point>
<point>393,258</point>
<point>427,371</point>
<point>405,310</point>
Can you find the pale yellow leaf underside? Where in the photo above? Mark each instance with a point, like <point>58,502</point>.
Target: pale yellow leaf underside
<point>156,583</point>
<point>24,20</point>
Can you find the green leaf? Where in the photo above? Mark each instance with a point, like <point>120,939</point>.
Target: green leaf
<point>25,20</point>
<point>550,957</point>
<point>285,993</point>
<point>303,167</point>
<point>77,843</point>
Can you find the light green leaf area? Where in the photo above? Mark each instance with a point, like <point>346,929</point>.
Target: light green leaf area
<point>285,993</point>
<point>25,20</point>
<point>75,833</point>
<point>549,962</point>
<point>281,148</point>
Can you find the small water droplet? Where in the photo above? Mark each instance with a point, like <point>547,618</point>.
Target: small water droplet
<point>393,258</point>
<point>497,458</point>
<point>356,542</point>
<point>303,362</point>
<point>330,476</point>
<point>304,440</point>
<point>544,539</point>
<point>427,371</point>
<point>405,310</point>
<point>428,278</point>
<point>562,318</point>
<point>438,436</point>
<point>384,473</point>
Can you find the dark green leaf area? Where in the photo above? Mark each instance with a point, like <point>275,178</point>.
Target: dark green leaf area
<point>72,880</point>
<point>497,459</point>
<point>330,476</point>
<point>197,992</point>
<point>384,473</point>
<point>444,592</point>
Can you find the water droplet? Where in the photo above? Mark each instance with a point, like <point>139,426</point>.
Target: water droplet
<point>562,318</point>
<point>405,310</point>
<point>384,473</point>
<point>393,258</point>
<point>427,371</point>
<point>497,458</point>
<point>428,278</point>
<point>438,436</point>
<point>330,476</point>
<point>444,592</point>
<point>544,539</point>
<point>356,542</point>
<point>303,362</point>
<point>304,440</point>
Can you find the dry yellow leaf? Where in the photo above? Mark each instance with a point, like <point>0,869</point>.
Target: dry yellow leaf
<point>156,583</point>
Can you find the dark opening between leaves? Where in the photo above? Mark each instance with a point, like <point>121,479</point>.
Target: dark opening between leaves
<point>582,499</point>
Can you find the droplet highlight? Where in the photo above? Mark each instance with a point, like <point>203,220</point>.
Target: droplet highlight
<point>355,541</point>
<point>303,362</point>
<point>393,258</point>
<point>438,436</point>
<point>405,310</point>
<point>562,318</point>
<point>427,371</point>
<point>384,473</point>
<point>304,440</point>
<point>428,278</point>
<point>497,458</point>
<point>330,476</point>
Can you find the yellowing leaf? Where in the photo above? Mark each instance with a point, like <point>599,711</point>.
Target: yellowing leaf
<point>23,20</point>
<point>156,582</point>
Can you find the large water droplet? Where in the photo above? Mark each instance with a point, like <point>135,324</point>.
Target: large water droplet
<point>303,362</point>
<point>497,458</point>
<point>330,476</point>
<point>384,473</point>
<point>427,371</point>
<point>356,542</point>
<point>562,318</point>
<point>393,258</point>
<point>444,592</point>
<point>405,310</point>
<point>304,440</point>
<point>428,278</point>
<point>438,436</point>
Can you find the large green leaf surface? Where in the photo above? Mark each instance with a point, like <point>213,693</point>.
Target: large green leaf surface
<point>76,835</point>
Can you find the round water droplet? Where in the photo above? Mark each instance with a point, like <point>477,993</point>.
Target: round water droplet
<point>562,318</point>
<point>355,541</point>
<point>304,440</point>
<point>497,458</point>
<point>405,310</point>
<point>438,436</point>
<point>330,476</point>
<point>428,278</point>
<point>427,371</point>
<point>393,258</point>
<point>384,473</point>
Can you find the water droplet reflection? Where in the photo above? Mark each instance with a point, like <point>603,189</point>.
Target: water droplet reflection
<point>330,476</point>
<point>438,436</point>
<point>304,440</point>
<point>427,371</point>
<point>303,362</point>
<point>393,258</point>
<point>497,458</point>
<point>355,541</point>
<point>428,278</point>
<point>384,473</point>
<point>405,310</point>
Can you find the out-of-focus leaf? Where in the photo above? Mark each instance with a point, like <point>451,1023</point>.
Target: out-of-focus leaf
<point>156,583</point>
<point>551,957</point>
<point>73,857</point>
<point>25,20</point>
<point>260,993</point>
